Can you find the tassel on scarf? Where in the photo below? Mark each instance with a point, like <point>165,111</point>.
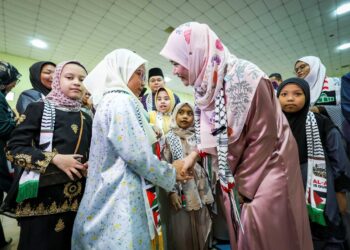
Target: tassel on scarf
<point>28,188</point>
<point>29,182</point>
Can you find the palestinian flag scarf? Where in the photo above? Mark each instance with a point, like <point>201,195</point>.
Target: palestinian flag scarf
<point>29,181</point>
<point>316,184</point>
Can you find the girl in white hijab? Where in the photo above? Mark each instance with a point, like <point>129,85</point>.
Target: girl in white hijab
<point>117,210</point>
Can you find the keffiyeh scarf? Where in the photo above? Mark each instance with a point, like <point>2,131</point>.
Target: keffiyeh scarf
<point>316,185</point>
<point>29,181</point>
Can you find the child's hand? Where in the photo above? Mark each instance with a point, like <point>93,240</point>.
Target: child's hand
<point>69,164</point>
<point>175,201</point>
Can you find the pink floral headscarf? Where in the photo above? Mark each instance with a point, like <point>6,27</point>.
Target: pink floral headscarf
<point>56,95</point>
<point>196,47</point>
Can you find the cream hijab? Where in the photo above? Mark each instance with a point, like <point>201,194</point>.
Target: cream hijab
<point>316,76</point>
<point>113,73</point>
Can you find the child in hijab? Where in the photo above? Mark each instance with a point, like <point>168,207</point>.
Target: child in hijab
<point>51,146</point>
<point>188,223</point>
<point>155,82</point>
<point>119,209</point>
<point>40,75</point>
<point>160,118</point>
<point>324,164</point>
<point>165,103</point>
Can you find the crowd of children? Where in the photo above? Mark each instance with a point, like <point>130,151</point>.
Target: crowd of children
<point>151,172</point>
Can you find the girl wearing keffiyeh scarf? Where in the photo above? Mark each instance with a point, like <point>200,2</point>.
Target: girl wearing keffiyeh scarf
<point>324,165</point>
<point>51,147</point>
<point>185,211</point>
<point>238,121</point>
<point>120,207</point>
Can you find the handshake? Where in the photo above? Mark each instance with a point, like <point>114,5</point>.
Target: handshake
<point>185,167</point>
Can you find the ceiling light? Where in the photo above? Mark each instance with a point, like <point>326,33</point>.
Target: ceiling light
<point>39,43</point>
<point>343,9</point>
<point>344,46</point>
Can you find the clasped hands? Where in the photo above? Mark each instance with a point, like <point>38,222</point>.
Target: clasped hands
<point>184,167</point>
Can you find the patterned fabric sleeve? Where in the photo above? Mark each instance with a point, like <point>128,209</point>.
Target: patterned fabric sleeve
<point>131,144</point>
<point>21,148</point>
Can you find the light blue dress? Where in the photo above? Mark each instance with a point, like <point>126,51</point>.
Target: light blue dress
<point>112,213</point>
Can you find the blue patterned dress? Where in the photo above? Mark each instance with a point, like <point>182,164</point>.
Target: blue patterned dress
<point>112,213</point>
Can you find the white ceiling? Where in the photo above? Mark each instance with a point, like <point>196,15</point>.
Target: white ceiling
<point>270,33</point>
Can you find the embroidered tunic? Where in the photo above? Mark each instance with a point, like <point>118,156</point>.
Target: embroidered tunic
<point>57,194</point>
<point>112,214</point>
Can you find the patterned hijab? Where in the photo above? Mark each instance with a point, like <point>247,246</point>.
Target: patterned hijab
<point>213,68</point>
<point>56,96</point>
<point>8,74</point>
<point>34,76</point>
<point>316,76</point>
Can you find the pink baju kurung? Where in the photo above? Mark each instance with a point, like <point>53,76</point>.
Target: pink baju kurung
<point>265,164</point>
<point>238,119</point>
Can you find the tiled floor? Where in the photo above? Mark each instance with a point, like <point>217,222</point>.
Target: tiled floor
<point>11,230</point>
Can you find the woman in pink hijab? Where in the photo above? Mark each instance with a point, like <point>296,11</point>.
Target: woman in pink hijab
<point>239,123</point>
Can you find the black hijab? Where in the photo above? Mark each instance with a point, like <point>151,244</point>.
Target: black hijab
<point>8,74</point>
<point>34,76</point>
<point>297,120</point>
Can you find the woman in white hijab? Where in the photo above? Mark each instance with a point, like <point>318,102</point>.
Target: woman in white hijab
<point>324,90</point>
<point>115,212</point>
